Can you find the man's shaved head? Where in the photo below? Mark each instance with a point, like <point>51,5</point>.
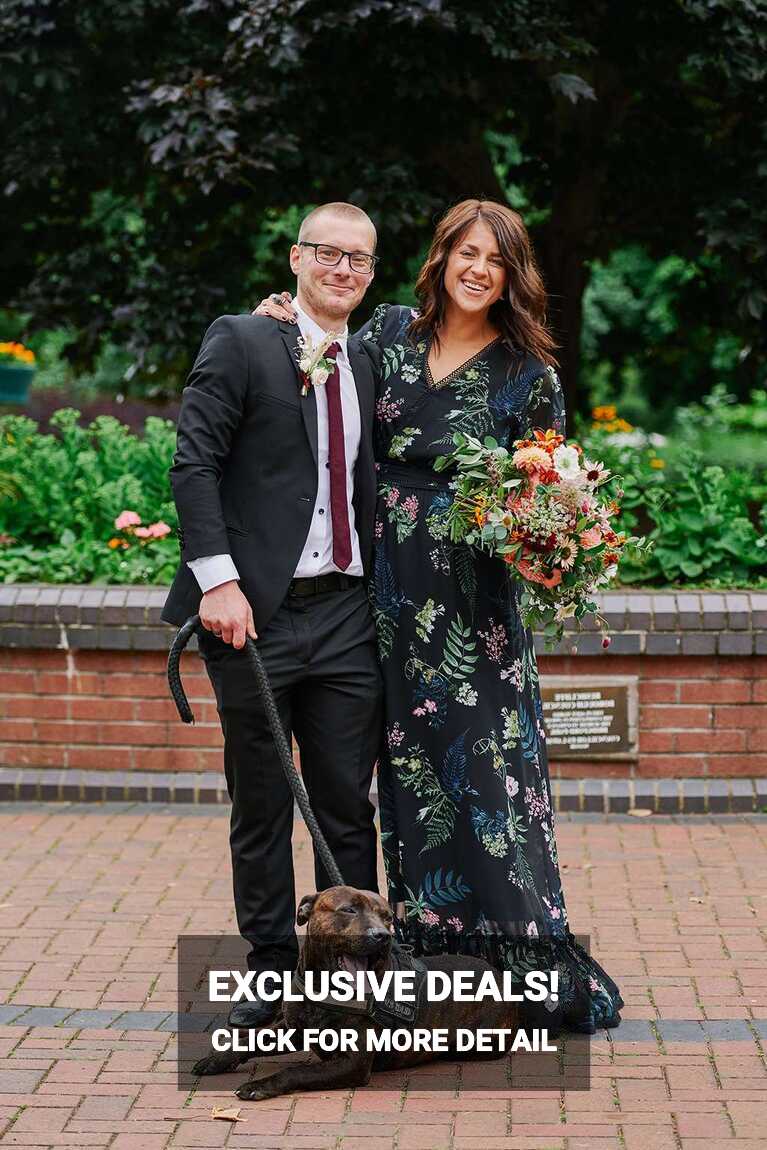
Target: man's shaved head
<point>339,211</point>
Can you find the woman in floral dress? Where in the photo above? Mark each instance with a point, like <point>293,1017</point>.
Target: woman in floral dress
<point>467,824</point>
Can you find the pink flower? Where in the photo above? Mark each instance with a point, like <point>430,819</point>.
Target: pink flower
<point>455,922</point>
<point>143,533</point>
<point>430,918</point>
<point>395,735</point>
<point>159,530</point>
<point>411,506</point>
<point>512,786</point>
<point>392,496</point>
<point>127,519</point>
<point>418,711</point>
<point>590,538</point>
<point>430,705</point>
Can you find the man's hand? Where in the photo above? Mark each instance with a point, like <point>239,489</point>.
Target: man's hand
<point>226,612</point>
<point>278,306</point>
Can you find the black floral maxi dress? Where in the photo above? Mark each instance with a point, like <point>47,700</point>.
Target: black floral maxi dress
<point>467,824</point>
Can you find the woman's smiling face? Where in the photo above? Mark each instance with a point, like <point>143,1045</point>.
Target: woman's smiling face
<point>475,272</point>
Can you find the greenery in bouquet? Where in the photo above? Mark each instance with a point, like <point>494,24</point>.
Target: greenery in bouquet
<point>86,504</point>
<point>539,508</point>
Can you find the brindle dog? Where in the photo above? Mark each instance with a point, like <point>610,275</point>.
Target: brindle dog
<point>349,929</point>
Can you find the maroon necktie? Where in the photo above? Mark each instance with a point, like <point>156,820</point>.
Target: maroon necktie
<point>339,508</point>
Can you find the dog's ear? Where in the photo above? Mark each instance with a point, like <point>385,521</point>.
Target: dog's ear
<point>305,908</point>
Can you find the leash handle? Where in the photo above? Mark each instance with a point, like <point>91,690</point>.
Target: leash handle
<point>278,734</point>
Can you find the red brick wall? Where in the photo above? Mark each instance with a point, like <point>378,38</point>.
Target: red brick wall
<point>104,710</point>
<point>698,715</point>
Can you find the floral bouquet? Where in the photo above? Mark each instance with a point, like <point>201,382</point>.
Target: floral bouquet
<point>539,509</point>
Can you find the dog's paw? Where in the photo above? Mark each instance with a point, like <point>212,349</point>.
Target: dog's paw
<point>215,1064</point>
<point>253,1091</point>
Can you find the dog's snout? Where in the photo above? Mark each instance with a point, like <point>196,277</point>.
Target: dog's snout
<point>377,934</point>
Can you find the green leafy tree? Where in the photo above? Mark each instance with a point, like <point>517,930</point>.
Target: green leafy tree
<point>148,143</point>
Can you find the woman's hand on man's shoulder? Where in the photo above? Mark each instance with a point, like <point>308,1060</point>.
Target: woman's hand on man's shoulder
<point>278,305</point>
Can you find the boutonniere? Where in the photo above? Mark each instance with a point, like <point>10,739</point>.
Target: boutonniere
<point>313,364</point>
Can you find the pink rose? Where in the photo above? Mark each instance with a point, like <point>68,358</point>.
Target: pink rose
<point>143,532</point>
<point>127,519</point>
<point>159,530</point>
<point>590,538</point>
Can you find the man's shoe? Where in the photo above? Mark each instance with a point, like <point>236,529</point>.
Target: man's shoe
<point>251,1015</point>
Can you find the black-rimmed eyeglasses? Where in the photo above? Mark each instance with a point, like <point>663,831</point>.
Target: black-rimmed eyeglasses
<point>327,254</point>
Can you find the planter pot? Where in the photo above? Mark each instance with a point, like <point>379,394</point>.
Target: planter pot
<point>14,382</point>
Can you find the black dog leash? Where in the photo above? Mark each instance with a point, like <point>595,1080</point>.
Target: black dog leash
<point>280,741</point>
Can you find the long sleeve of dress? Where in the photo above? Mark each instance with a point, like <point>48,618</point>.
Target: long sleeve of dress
<point>545,406</point>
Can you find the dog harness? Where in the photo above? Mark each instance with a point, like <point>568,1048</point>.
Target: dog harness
<point>387,1011</point>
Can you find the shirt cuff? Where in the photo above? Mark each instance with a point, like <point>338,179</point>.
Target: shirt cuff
<point>212,570</point>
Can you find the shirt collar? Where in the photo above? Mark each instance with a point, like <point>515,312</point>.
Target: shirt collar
<point>316,333</point>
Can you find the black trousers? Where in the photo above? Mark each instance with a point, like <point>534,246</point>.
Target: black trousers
<point>319,652</point>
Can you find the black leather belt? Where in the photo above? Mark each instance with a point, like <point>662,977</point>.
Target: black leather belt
<point>319,584</point>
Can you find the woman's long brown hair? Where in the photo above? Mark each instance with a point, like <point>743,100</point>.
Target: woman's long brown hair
<point>520,313</point>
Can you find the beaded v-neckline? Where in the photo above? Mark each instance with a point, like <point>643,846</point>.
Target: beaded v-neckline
<point>436,384</point>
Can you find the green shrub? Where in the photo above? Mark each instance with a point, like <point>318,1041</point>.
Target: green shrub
<point>65,491</point>
<point>697,496</point>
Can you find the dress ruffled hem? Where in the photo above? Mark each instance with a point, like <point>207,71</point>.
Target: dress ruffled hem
<point>588,999</point>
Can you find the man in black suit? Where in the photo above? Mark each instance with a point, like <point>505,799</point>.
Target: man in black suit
<point>274,483</point>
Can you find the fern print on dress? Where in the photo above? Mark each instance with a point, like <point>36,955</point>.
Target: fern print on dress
<point>467,824</point>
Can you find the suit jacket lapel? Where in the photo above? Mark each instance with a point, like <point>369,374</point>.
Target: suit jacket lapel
<point>308,402</point>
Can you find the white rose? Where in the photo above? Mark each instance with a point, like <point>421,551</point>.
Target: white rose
<point>320,376</point>
<point>567,463</point>
<point>305,362</point>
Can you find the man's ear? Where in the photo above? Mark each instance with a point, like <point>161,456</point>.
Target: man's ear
<point>295,259</point>
<point>305,908</point>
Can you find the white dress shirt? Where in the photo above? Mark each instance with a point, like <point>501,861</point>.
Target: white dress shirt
<point>317,556</point>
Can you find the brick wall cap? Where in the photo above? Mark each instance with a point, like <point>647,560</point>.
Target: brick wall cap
<point>641,621</point>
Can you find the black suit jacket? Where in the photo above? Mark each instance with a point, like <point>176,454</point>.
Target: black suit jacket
<point>244,475</point>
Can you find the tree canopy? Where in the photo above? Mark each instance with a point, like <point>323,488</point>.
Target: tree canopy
<point>157,154</point>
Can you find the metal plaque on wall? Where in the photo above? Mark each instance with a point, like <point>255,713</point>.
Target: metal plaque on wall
<point>590,717</point>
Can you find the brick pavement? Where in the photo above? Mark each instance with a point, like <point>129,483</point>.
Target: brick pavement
<point>92,899</point>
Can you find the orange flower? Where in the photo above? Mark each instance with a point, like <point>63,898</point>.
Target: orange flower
<point>17,351</point>
<point>549,439</point>
<point>527,571</point>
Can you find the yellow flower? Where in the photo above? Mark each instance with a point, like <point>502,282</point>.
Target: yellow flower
<point>605,411</point>
<point>657,463</point>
